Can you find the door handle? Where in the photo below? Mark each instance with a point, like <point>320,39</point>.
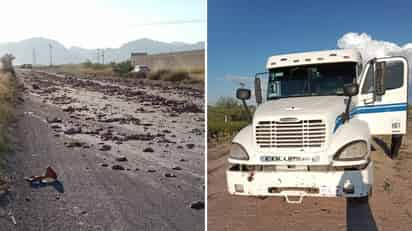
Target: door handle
<point>368,101</point>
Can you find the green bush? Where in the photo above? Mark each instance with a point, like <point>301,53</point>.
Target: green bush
<point>122,68</point>
<point>87,64</point>
<point>220,129</point>
<point>225,119</point>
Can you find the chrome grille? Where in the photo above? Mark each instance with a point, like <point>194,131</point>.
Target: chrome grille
<point>291,134</point>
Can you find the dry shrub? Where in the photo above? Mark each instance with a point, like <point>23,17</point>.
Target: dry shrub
<point>176,76</point>
<point>137,75</point>
<point>199,71</point>
<point>7,97</point>
<point>158,75</point>
<point>169,75</point>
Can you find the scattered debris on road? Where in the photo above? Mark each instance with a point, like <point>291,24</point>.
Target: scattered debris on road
<point>121,159</point>
<point>48,178</point>
<point>13,219</point>
<point>148,150</point>
<point>118,167</point>
<point>105,147</point>
<point>170,175</point>
<point>198,205</point>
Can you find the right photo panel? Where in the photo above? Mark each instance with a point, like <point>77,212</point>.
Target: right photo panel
<point>307,115</point>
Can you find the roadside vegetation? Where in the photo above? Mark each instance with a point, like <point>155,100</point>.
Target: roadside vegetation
<point>225,119</point>
<point>7,99</point>
<point>123,69</point>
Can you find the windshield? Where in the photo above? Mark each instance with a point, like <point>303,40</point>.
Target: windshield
<point>310,80</point>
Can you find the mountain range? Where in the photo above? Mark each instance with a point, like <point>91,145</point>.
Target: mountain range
<point>28,50</point>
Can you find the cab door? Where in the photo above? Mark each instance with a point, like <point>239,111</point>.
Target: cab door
<point>385,112</point>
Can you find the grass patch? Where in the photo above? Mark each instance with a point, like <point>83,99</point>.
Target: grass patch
<point>157,75</point>
<point>123,69</point>
<point>80,69</point>
<point>222,131</point>
<point>7,98</point>
<point>178,75</point>
<point>225,119</point>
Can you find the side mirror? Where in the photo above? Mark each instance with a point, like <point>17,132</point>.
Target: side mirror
<point>243,94</point>
<point>258,91</point>
<point>380,70</point>
<point>351,89</point>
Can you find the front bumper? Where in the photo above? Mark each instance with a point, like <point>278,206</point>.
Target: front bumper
<point>301,183</point>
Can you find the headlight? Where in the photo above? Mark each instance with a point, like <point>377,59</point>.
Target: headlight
<point>238,152</point>
<point>355,150</point>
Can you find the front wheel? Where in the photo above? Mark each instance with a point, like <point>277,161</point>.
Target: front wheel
<point>359,200</point>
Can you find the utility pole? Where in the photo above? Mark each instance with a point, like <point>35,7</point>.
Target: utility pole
<point>51,54</point>
<point>103,56</point>
<point>98,55</point>
<point>34,57</point>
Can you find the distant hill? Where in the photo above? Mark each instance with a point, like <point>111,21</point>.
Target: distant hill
<point>23,50</point>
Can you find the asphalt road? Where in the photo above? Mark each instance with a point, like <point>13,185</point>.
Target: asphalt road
<point>90,194</point>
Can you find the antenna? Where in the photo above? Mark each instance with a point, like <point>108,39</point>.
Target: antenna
<point>51,54</point>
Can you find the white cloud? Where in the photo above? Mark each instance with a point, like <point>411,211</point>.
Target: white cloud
<point>370,48</point>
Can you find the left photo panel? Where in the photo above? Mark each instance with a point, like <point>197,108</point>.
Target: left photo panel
<point>102,115</point>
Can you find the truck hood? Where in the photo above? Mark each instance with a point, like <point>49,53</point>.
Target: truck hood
<point>328,107</point>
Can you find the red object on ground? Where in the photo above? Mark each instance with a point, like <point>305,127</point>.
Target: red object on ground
<point>51,173</point>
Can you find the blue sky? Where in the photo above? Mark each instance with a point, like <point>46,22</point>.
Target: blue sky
<point>243,34</point>
<point>103,23</point>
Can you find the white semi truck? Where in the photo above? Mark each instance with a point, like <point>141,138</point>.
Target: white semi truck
<point>312,134</point>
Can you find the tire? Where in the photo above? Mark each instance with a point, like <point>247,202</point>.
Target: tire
<point>359,200</point>
<point>396,145</point>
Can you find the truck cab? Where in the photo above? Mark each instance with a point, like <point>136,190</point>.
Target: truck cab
<point>311,132</point>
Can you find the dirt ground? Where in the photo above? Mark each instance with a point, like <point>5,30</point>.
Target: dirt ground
<point>390,207</point>
<point>129,155</point>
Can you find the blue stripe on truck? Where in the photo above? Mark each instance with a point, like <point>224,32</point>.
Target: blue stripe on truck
<point>371,109</point>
